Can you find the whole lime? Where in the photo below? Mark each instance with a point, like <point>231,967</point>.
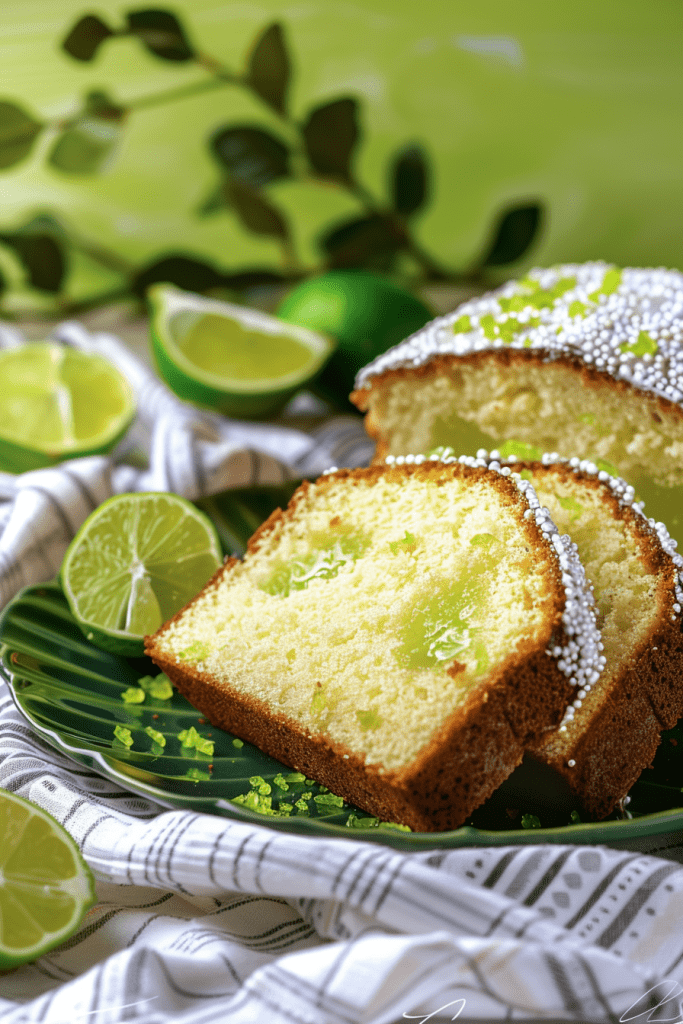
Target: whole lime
<point>366,314</point>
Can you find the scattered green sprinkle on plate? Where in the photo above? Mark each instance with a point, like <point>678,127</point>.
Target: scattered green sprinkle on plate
<point>191,739</point>
<point>123,735</point>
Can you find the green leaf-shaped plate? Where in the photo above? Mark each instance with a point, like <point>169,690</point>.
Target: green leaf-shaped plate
<point>71,693</point>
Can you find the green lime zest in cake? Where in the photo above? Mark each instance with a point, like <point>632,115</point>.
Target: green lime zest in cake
<point>321,564</point>
<point>196,651</point>
<point>572,506</point>
<point>406,544</point>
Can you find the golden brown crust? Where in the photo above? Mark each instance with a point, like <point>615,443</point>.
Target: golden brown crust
<point>478,745</point>
<point>473,752</point>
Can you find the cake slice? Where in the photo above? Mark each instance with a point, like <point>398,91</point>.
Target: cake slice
<point>573,359</point>
<point>610,731</point>
<point>400,633</point>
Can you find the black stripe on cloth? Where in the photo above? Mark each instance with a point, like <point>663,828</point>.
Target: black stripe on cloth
<point>184,826</point>
<point>80,486</point>
<point>258,866</point>
<point>571,1001</point>
<point>600,889</point>
<point>95,926</point>
<point>636,903</point>
<point>548,876</point>
<point>598,993</point>
<point>518,883</point>
<point>57,505</point>
<point>74,808</point>
<point>289,934</point>
<point>315,995</point>
<point>389,885</point>
<point>214,850</point>
<point>496,872</point>
<point>96,824</point>
<point>375,872</point>
<point>238,857</point>
<point>231,968</point>
<point>197,465</point>
<point>149,859</point>
<point>356,855</point>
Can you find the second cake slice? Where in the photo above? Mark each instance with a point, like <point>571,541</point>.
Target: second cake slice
<point>400,633</point>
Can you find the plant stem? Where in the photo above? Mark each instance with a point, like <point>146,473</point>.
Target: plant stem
<point>183,91</point>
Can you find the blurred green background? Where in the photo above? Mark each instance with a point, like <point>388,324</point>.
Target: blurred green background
<point>573,110</point>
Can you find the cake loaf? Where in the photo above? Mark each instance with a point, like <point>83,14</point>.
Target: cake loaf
<point>400,633</point>
<point>611,729</point>
<point>577,359</point>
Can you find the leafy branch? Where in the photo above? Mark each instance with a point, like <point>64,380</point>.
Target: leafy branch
<point>321,147</point>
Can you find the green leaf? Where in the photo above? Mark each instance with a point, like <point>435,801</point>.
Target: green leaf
<point>161,33</point>
<point>251,154</point>
<point>369,242</point>
<point>183,271</point>
<point>513,234</point>
<point>409,180</point>
<point>85,38</point>
<point>88,142</point>
<point>268,70</point>
<point>18,132</point>
<point>330,136</point>
<point>42,257</point>
<point>254,211</point>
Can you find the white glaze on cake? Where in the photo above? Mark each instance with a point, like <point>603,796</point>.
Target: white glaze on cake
<point>626,322</point>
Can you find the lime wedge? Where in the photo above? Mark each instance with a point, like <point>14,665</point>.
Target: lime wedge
<point>231,358</point>
<point>45,885</point>
<point>58,403</point>
<point>136,561</point>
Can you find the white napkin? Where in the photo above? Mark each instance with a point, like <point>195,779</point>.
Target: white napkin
<point>202,918</point>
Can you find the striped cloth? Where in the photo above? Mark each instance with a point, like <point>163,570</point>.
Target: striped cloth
<point>202,919</point>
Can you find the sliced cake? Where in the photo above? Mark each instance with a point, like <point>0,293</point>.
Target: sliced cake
<point>400,633</point>
<point>573,359</point>
<point>611,729</point>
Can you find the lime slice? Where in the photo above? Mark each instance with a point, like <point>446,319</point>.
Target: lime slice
<point>45,885</point>
<point>59,403</point>
<point>365,313</point>
<point>237,360</point>
<point>136,561</point>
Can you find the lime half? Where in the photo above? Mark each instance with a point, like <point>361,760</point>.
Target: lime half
<point>231,358</point>
<point>45,885</point>
<point>58,403</point>
<point>136,561</point>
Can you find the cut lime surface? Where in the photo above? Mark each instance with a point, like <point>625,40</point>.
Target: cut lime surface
<point>58,403</point>
<point>134,563</point>
<point>45,885</point>
<point>365,313</point>
<point>237,360</point>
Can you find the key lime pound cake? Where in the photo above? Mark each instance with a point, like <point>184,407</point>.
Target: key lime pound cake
<point>400,634</point>
<point>577,359</point>
<point>611,730</point>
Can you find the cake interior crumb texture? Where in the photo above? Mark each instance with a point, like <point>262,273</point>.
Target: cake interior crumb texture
<point>380,605</point>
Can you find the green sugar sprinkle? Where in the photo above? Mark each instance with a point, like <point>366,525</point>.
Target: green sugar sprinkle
<point>462,325</point>
<point>575,818</point>
<point>295,777</point>
<point>133,695</point>
<point>197,775</point>
<point>191,738</point>
<point>159,687</point>
<point>530,821</point>
<point>238,743</point>
<point>123,735</point>
<point>644,346</point>
<point>157,736</point>
<point>328,800</point>
<point>280,781</point>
